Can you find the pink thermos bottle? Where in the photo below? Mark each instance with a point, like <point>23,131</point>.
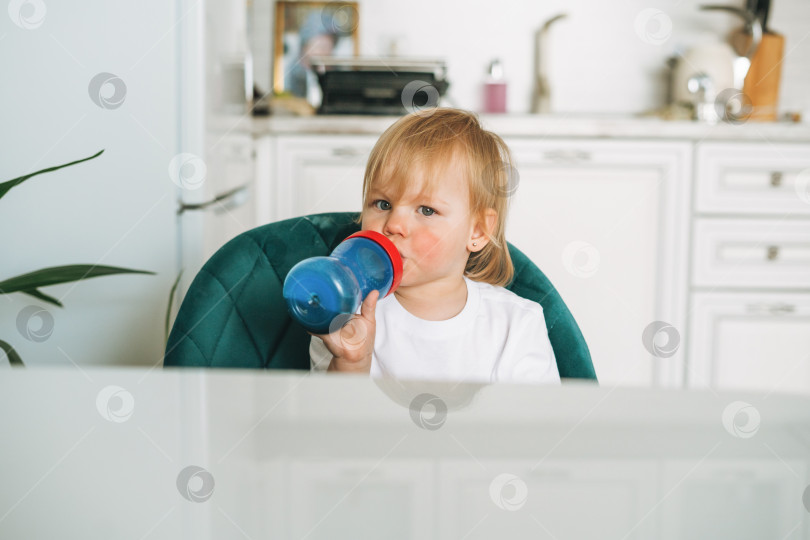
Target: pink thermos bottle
<point>495,89</point>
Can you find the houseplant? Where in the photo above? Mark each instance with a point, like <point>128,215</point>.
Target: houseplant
<point>31,282</point>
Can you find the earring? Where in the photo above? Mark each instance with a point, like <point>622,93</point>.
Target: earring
<point>474,244</point>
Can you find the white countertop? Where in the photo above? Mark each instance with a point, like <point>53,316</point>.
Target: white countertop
<point>527,125</point>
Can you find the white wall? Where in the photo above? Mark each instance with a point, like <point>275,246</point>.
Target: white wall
<point>598,61</point>
<point>116,210</point>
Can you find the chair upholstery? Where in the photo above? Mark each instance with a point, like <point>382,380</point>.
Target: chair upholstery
<point>234,314</point>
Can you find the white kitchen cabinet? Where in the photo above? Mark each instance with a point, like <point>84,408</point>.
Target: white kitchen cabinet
<point>551,499</point>
<point>750,284</point>
<point>631,231</point>
<point>319,173</point>
<point>606,221</point>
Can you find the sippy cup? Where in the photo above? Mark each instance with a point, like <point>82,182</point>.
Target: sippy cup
<point>322,293</point>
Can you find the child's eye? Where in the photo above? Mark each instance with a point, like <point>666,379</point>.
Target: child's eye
<point>424,210</point>
<point>375,204</point>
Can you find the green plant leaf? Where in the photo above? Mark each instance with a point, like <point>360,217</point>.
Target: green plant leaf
<point>171,301</point>
<point>60,274</point>
<point>36,293</point>
<point>5,186</point>
<point>13,358</point>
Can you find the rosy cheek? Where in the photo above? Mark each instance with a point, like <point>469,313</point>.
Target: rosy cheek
<point>371,223</point>
<point>427,246</point>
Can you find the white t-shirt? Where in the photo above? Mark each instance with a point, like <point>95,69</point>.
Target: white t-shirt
<point>498,336</point>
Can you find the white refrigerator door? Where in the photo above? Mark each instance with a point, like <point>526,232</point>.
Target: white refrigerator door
<point>215,171</point>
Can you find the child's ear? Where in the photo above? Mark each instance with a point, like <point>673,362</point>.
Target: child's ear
<point>491,217</point>
<point>490,220</point>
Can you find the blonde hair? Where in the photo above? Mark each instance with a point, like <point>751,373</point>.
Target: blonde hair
<point>433,138</point>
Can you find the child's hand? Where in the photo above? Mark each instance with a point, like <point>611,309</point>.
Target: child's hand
<point>351,346</point>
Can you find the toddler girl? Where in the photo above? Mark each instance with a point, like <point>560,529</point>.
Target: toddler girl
<point>437,185</point>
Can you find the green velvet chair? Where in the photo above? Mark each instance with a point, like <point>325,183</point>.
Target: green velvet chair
<point>234,315</point>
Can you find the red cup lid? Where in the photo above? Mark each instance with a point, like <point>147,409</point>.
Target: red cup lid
<point>390,249</point>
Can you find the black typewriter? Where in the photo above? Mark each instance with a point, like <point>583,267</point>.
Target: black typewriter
<point>375,85</point>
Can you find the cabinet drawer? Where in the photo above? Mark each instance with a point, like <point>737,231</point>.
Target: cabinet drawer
<point>596,152</point>
<point>753,179</point>
<point>751,253</point>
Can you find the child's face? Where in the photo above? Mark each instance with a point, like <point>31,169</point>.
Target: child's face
<point>432,234</point>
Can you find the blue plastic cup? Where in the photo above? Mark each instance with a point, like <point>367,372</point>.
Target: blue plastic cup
<point>322,293</point>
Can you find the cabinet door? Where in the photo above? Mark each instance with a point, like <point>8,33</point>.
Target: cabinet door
<point>607,222</point>
<point>317,174</point>
<point>360,499</point>
<point>750,341</point>
<point>517,499</point>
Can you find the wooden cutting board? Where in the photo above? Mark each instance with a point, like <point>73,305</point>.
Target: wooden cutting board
<point>762,82</point>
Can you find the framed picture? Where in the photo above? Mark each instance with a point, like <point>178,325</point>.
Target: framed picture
<point>305,29</point>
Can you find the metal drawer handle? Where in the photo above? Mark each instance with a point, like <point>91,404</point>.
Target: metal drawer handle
<point>773,253</point>
<point>776,179</point>
<point>566,155</point>
<point>773,309</point>
<point>347,151</point>
<point>229,200</point>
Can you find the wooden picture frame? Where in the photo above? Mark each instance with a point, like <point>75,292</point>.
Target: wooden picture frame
<point>304,29</point>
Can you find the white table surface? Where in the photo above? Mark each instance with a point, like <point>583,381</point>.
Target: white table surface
<point>98,453</point>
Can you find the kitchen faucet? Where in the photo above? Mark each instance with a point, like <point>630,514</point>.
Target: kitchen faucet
<point>541,95</point>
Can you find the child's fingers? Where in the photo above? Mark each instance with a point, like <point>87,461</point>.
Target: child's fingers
<point>370,305</point>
